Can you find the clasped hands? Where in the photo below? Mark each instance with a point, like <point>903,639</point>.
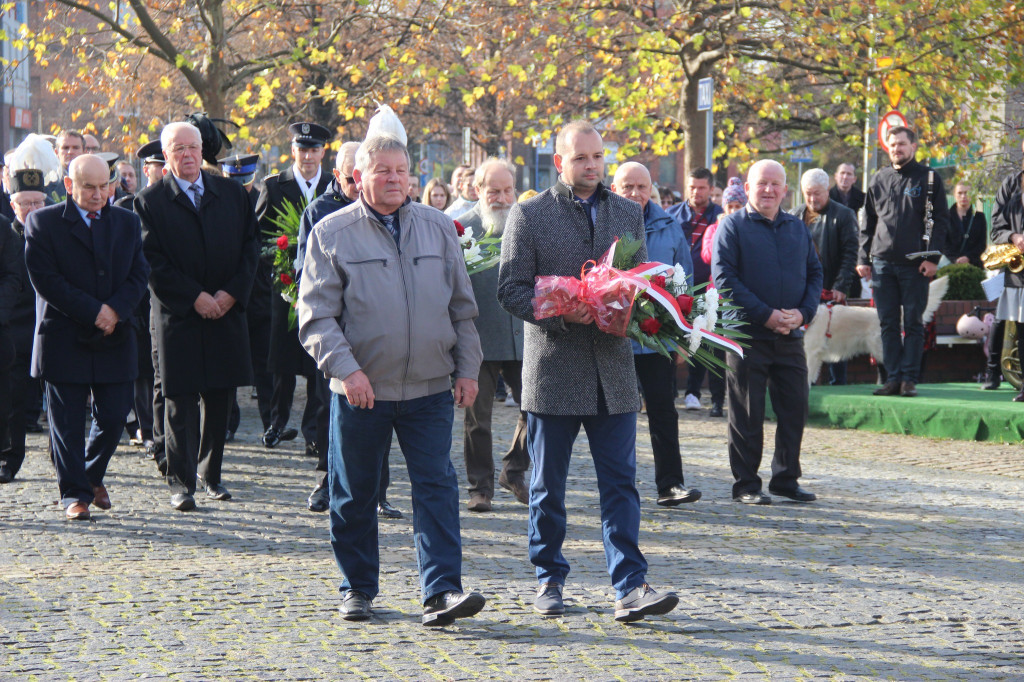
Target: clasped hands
<point>784,321</point>
<point>106,320</point>
<point>213,307</point>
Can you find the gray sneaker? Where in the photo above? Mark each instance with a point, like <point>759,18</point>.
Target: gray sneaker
<point>644,601</point>
<point>549,600</point>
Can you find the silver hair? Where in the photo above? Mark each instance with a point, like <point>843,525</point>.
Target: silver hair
<point>769,163</point>
<point>481,170</point>
<point>347,152</point>
<point>628,166</point>
<point>816,177</point>
<point>375,145</point>
<point>171,129</point>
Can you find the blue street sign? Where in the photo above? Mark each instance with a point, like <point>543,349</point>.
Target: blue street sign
<point>801,153</point>
<point>705,93</point>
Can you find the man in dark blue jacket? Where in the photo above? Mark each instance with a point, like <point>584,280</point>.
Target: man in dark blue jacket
<point>85,260</point>
<point>666,243</point>
<point>696,215</point>
<point>766,260</point>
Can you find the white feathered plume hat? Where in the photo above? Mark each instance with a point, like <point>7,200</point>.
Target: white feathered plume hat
<point>386,122</point>
<point>33,165</point>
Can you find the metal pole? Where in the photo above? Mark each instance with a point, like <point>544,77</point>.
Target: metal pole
<point>709,139</point>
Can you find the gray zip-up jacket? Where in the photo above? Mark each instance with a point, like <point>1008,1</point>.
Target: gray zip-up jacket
<point>403,314</point>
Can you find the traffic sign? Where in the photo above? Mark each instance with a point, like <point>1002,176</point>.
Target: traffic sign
<point>887,123</point>
<point>705,93</point>
<point>425,166</point>
<point>801,153</point>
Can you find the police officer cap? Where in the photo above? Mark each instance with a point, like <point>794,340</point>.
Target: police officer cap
<point>241,167</point>
<point>151,152</point>
<point>111,158</point>
<point>309,135</point>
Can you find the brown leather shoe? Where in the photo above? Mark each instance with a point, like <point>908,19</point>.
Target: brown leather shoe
<point>100,497</point>
<point>79,511</point>
<point>908,389</point>
<point>478,503</point>
<point>515,485</point>
<point>890,388</point>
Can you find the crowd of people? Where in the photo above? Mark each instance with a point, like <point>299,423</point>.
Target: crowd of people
<point>156,300</point>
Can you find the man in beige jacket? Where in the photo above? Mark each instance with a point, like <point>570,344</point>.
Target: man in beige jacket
<point>386,309</point>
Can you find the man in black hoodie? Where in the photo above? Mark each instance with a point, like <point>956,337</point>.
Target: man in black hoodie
<point>900,253</point>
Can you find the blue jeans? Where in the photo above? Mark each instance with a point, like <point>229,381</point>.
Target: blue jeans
<point>357,447</point>
<point>901,294</point>
<point>613,447</point>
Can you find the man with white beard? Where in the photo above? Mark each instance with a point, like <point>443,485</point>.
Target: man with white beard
<point>501,336</point>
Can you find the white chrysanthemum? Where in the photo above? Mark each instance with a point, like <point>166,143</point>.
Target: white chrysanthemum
<point>697,333</point>
<point>678,278</point>
<point>710,309</point>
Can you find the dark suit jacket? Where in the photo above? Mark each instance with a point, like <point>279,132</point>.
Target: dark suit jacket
<point>837,247</point>
<point>194,250</point>
<point>854,202</point>
<point>967,237</point>
<point>75,269</point>
<point>287,355</point>
<point>23,316</point>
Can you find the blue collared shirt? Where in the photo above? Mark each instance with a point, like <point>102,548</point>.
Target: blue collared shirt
<point>185,185</point>
<point>84,213</point>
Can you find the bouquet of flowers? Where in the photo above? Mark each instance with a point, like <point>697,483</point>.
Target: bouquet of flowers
<point>279,249</point>
<point>480,254</point>
<point>651,304</point>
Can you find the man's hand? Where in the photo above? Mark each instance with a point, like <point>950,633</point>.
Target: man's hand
<point>107,319</point>
<point>225,301</point>
<point>962,259</point>
<point>358,391</point>
<point>1017,240</point>
<point>777,322</point>
<point>793,318</point>
<point>838,296</point>
<point>207,307</point>
<point>580,316</point>
<point>465,392</point>
<point>864,271</point>
<point>928,268</point>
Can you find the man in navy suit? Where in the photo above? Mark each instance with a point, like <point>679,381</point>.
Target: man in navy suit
<point>85,260</point>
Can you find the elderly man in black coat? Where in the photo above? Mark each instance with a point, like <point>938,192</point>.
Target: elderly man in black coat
<point>199,234</point>
<point>577,376</point>
<point>85,260</point>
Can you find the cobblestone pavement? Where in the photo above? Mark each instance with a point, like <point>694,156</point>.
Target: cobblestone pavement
<point>908,567</point>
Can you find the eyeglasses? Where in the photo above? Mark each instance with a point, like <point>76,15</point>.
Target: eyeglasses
<point>182,148</point>
<point>31,204</point>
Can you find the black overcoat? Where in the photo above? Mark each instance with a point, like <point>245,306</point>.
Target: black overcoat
<point>192,250</point>
<point>75,269</point>
<point>287,356</point>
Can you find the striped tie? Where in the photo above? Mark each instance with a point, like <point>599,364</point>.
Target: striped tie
<point>389,222</point>
<point>197,193</point>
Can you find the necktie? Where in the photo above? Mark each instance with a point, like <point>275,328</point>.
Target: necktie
<point>93,215</point>
<point>389,222</point>
<point>197,193</point>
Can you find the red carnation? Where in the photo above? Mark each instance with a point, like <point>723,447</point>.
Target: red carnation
<point>286,279</point>
<point>459,229</point>
<point>650,326</point>
<point>282,242</point>
<point>685,303</point>
<point>658,281</point>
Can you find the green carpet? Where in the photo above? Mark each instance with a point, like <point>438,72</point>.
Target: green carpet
<point>959,411</point>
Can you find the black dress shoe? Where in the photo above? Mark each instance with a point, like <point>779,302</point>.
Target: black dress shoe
<point>753,498</point>
<point>797,494</point>
<point>677,494</point>
<point>992,382</point>
<point>229,436</point>
<point>355,606</point>
<point>1019,398</point>
<point>908,389</point>
<point>386,511</point>
<point>442,609</point>
<point>217,491</point>
<point>161,464</point>
<point>716,410</point>
<point>271,437</point>
<point>289,434</point>
<point>889,388</point>
<point>312,450</point>
<point>183,502</point>
<point>6,475</point>
<point>320,499</point>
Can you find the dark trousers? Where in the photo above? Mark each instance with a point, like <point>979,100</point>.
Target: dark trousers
<point>836,373</point>
<point>80,463</point>
<point>716,382</point>
<point>778,365</point>
<point>656,374</point>
<point>994,361</point>
<point>613,448</point>
<point>901,294</point>
<point>281,405</point>
<point>24,393</point>
<point>158,405</point>
<point>479,443</point>
<point>194,430</point>
<point>143,403</point>
<point>357,447</point>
